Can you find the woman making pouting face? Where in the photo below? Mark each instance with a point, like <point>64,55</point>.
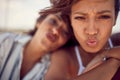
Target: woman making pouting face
<point>92,22</point>
<point>25,57</point>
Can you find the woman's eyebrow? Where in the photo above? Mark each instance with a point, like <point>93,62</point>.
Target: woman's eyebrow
<point>99,12</point>
<point>81,13</point>
<point>104,11</point>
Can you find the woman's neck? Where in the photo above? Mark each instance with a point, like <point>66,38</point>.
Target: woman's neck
<point>33,50</point>
<point>32,54</point>
<point>87,57</point>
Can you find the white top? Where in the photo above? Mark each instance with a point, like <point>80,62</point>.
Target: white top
<point>11,56</point>
<point>81,67</point>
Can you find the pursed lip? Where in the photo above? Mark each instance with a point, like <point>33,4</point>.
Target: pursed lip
<point>51,37</point>
<point>92,42</point>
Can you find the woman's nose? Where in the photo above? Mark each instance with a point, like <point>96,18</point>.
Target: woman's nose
<point>56,30</point>
<point>91,28</point>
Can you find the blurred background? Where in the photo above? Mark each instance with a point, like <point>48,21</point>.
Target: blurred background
<point>20,15</point>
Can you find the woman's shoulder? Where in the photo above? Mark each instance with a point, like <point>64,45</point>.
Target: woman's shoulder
<point>14,37</point>
<point>64,53</point>
<point>10,35</point>
<point>7,37</point>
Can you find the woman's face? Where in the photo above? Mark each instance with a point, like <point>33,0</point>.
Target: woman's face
<point>92,22</point>
<point>52,32</point>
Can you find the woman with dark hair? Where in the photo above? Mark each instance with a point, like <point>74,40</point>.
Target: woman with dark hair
<point>116,39</point>
<point>27,57</point>
<point>94,58</point>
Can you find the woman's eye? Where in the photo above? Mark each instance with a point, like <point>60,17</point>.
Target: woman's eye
<point>80,18</point>
<point>53,22</point>
<point>104,17</point>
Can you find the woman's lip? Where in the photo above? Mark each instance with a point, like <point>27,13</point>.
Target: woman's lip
<point>92,42</point>
<point>51,37</point>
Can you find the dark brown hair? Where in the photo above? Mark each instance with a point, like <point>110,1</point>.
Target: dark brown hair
<point>44,13</point>
<point>65,5</point>
<point>116,39</point>
<point>49,10</point>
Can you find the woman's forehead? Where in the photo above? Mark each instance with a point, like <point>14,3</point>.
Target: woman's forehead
<point>84,5</point>
<point>94,1</point>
